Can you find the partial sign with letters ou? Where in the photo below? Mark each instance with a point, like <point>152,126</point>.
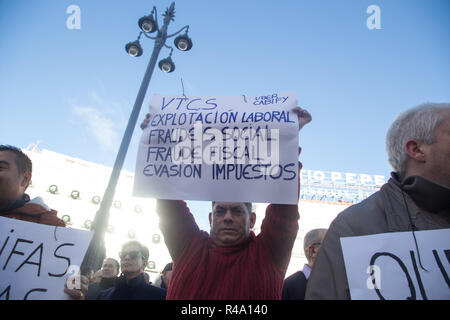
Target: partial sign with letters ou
<point>387,266</point>
<point>36,259</point>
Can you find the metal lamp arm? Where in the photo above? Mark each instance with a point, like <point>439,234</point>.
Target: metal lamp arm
<point>169,47</point>
<point>150,37</point>
<point>174,34</point>
<point>156,17</point>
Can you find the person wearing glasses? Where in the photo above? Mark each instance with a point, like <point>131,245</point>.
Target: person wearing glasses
<point>132,285</point>
<point>294,286</point>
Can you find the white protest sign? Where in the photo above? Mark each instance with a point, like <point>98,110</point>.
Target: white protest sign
<point>387,265</point>
<point>36,259</point>
<point>220,148</point>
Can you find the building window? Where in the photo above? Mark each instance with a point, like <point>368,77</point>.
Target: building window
<point>156,238</point>
<point>53,189</point>
<point>96,199</point>
<point>87,224</point>
<point>75,194</point>
<point>66,218</point>
<point>131,233</point>
<point>117,204</point>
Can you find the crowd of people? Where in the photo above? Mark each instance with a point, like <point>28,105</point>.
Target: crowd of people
<point>231,262</point>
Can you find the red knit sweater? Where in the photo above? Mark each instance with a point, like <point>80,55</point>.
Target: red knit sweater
<point>254,269</point>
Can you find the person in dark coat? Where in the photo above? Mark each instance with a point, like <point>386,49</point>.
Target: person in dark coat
<point>108,275</point>
<point>164,279</point>
<point>294,286</point>
<point>132,285</point>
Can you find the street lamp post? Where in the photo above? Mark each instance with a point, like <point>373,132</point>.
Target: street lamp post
<point>148,24</point>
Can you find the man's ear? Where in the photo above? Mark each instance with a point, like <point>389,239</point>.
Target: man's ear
<point>144,264</point>
<point>25,180</point>
<point>311,251</point>
<point>210,219</point>
<point>415,150</point>
<point>252,219</point>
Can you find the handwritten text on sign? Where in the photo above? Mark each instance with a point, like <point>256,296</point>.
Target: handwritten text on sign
<point>387,266</point>
<point>36,259</point>
<point>220,148</point>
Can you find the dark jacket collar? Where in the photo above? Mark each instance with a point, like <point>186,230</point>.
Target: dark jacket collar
<point>427,194</point>
<point>17,204</point>
<point>135,282</point>
<point>106,283</point>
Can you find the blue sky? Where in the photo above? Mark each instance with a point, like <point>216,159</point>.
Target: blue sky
<point>73,90</point>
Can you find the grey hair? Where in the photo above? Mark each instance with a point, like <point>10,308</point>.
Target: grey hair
<point>416,123</point>
<point>248,205</point>
<point>311,237</point>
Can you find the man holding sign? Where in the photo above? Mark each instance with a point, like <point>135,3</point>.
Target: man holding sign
<point>15,177</point>
<point>220,149</point>
<point>396,263</point>
<point>231,262</point>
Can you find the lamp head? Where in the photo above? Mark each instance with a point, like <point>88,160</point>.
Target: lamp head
<point>147,24</point>
<point>167,65</point>
<point>183,42</point>
<point>134,48</point>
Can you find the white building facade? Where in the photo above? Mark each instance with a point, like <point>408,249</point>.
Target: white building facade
<point>75,187</point>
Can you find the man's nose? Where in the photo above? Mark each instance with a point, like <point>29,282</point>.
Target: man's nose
<point>228,216</point>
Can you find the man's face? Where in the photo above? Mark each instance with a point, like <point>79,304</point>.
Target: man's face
<point>314,248</point>
<point>167,275</point>
<point>437,155</point>
<point>109,269</point>
<point>131,260</point>
<point>12,183</point>
<point>230,223</point>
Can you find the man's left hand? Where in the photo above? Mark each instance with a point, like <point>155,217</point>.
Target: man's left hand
<point>303,116</point>
<point>76,287</point>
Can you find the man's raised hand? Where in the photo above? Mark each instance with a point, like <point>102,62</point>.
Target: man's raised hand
<point>303,116</point>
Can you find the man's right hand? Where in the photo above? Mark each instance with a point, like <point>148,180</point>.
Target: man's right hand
<point>303,115</point>
<point>146,121</point>
<point>76,287</point>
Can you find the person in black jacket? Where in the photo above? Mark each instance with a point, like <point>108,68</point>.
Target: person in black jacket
<point>108,275</point>
<point>131,285</point>
<point>294,286</point>
<point>164,279</point>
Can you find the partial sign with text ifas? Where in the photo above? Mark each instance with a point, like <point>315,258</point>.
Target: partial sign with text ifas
<point>220,148</point>
<point>36,259</point>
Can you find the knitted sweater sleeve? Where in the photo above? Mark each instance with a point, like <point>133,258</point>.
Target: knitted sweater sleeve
<point>278,232</point>
<point>177,225</point>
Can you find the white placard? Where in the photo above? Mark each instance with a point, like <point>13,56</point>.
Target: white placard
<point>36,259</point>
<point>387,265</point>
<point>220,148</point>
